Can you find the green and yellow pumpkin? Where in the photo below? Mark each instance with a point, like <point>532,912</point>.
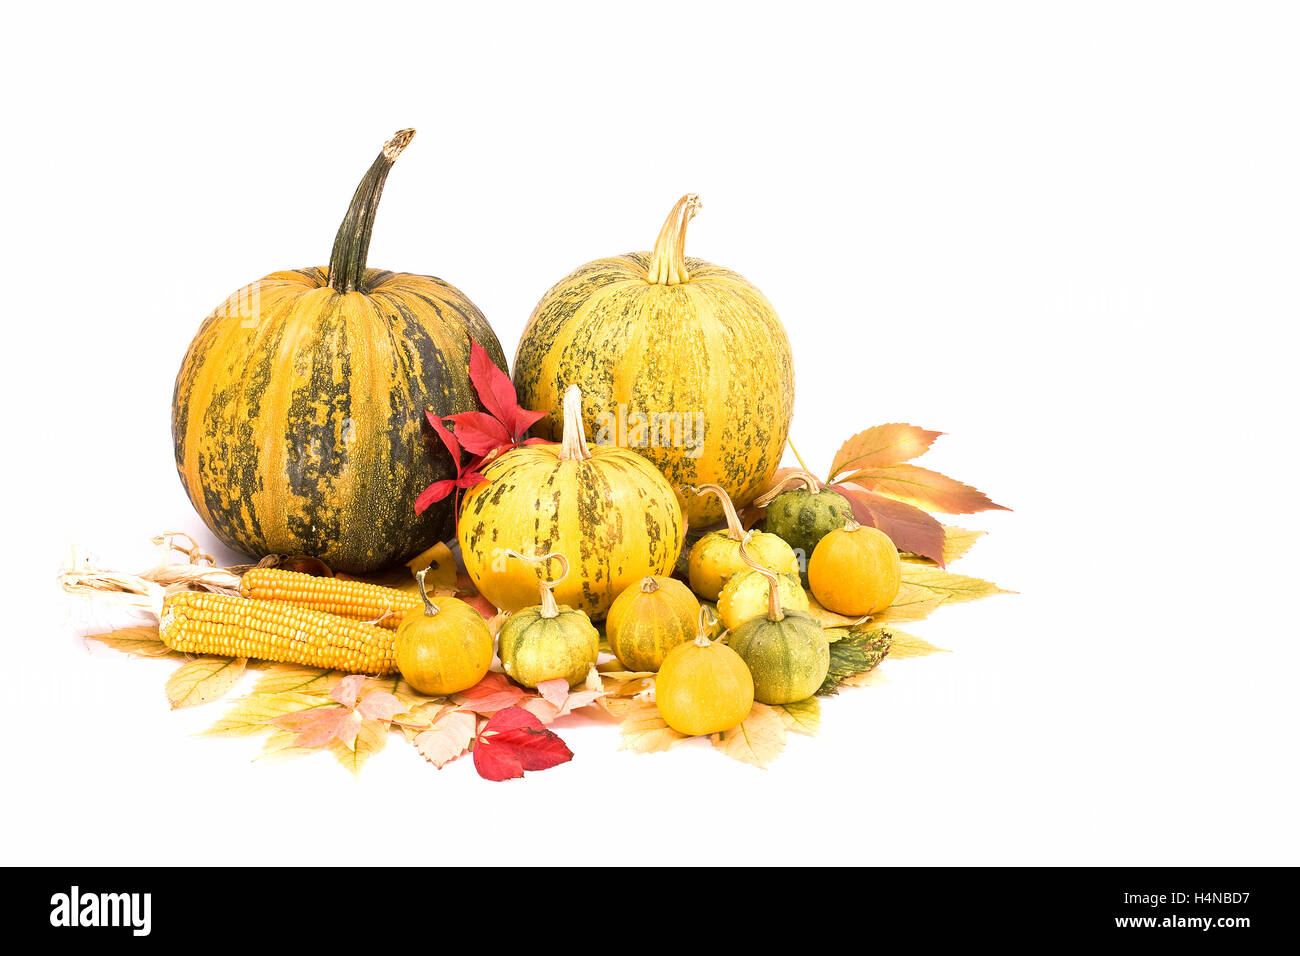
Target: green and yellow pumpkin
<point>298,416</point>
<point>715,556</point>
<point>787,652</point>
<point>802,516</point>
<point>547,641</point>
<point>649,619</point>
<point>610,511</point>
<point>680,359</point>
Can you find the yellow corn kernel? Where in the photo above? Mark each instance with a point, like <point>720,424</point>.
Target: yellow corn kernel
<point>228,626</point>
<point>372,603</point>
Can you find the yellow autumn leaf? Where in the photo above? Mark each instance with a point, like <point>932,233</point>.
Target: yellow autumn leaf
<point>826,617</point>
<point>281,745</point>
<point>372,736</point>
<point>956,543</point>
<point>203,679</point>
<point>140,641</point>
<point>290,678</point>
<point>644,731</point>
<point>758,740</point>
<point>439,561</point>
<point>906,645</point>
<point>871,678</point>
<point>803,716</point>
<point>253,714</point>
<point>920,580</point>
<point>911,604</point>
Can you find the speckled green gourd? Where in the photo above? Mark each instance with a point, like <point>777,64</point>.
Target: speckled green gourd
<point>803,516</point>
<point>788,658</point>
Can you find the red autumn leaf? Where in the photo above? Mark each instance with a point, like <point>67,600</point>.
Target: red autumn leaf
<point>448,439</point>
<point>880,445</point>
<point>911,529</point>
<point>925,489</point>
<point>514,741</point>
<point>497,393</point>
<point>493,693</point>
<point>435,493</point>
<point>479,433</point>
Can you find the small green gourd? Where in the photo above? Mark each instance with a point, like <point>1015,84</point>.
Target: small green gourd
<point>803,516</point>
<point>547,641</point>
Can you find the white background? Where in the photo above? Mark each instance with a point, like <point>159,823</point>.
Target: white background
<point>1065,234</point>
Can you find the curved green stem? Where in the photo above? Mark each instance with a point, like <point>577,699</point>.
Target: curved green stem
<point>352,242</point>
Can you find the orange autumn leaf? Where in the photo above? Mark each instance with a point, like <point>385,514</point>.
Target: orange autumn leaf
<point>879,446</point>
<point>923,488</point>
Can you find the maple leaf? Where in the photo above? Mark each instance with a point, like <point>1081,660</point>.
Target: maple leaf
<point>514,741</point>
<point>645,731</point>
<point>758,740</point>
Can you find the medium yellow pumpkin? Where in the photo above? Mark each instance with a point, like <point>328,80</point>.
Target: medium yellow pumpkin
<point>298,416</point>
<point>703,687</point>
<point>547,641</point>
<point>609,509</point>
<point>855,570</point>
<point>649,619</point>
<point>716,555</point>
<point>444,647</point>
<point>680,359</point>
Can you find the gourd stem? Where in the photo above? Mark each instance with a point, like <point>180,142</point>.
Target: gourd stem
<point>774,611</point>
<point>735,530</point>
<point>430,609</point>
<point>573,441</point>
<point>810,481</point>
<point>851,524</point>
<point>707,620</point>
<point>352,242</point>
<point>668,261</point>
<point>549,608</point>
<point>649,585</point>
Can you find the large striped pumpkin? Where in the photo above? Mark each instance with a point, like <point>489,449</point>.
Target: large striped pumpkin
<point>608,511</point>
<point>691,346</point>
<point>298,415</point>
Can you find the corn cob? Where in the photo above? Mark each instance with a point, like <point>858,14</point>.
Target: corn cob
<point>372,603</point>
<point>228,626</point>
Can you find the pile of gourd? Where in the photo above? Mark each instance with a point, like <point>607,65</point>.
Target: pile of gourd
<point>299,423</point>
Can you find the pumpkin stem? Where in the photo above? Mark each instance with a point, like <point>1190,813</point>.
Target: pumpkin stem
<point>352,242</point>
<point>851,524</point>
<point>809,480</point>
<point>573,441</point>
<point>707,621</point>
<point>735,530</point>
<point>549,608</point>
<point>430,609</point>
<point>649,585</point>
<point>774,611</point>
<point>668,261</point>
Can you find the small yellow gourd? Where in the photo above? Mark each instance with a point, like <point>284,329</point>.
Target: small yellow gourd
<point>649,619</point>
<point>715,556</point>
<point>703,687</point>
<point>444,647</point>
<point>745,597</point>
<point>855,570</point>
<point>548,641</point>
<point>787,652</point>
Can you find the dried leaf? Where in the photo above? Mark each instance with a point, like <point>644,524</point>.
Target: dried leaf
<point>881,445</point>
<point>906,645</point>
<point>803,716</point>
<point>448,737</point>
<point>951,588</point>
<point>290,678</point>
<point>139,641</point>
<point>203,679</point>
<point>644,731</point>
<point>925,489</point>
<point>911,529</point>
<point>910,605</point>
<point>255,713</point>
<point>758,740</point>
<point>371,738</point>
